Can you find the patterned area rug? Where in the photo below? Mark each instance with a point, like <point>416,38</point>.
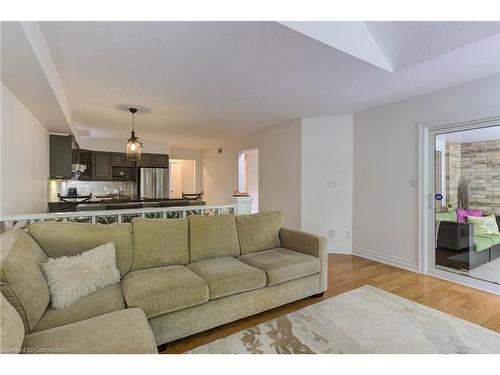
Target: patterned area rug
<point>364,320</point>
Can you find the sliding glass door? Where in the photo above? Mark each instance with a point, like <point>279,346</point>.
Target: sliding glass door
<point>466,202</point>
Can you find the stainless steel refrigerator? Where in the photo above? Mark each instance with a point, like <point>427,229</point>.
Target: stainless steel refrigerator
<point>153,182</point>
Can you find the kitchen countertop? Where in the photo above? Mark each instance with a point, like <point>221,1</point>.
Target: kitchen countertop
<point>102,203</point>
<point>123,199</point>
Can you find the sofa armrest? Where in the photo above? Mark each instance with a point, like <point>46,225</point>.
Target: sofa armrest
<point>455,236</point>
<point>310,244</point>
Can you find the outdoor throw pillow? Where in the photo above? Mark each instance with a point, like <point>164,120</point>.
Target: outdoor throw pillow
<point>74,277</point>
<point>462,214</point>
<point>484,225</point>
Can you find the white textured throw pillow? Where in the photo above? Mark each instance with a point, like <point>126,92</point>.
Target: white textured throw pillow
<point>74,277</point>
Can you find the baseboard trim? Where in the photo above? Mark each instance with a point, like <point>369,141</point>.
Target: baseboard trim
<point>332,249</point>
<point>386,259</point>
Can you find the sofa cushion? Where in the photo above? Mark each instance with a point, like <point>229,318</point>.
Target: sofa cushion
<point>259,231</point>
<point>59,239</point>
<point>72,278</point>
<point>11,328</point>
<point>119,332</point>
<point>226,276</point>
<point>164,289</point>
<point>101,302</point>
<point>22,281</point>
<point>447,215</point>
<point>213,237</point>
<point>160,242</point>
<point>494,238</point>
<point>482,243</point>
<point>281,265</point>
<point>484,225</point>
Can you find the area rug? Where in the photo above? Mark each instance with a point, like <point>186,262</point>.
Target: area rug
<point>364,320</point>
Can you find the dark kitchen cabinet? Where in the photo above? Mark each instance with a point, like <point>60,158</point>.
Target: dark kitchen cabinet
<point>153,160</point>
<point>81,156</point>
<point>147,160</point>
<point>117,159</point>
<point>161,161</point>
<point>102,165</point>
<point>120,160</point>
<point>60,155</point>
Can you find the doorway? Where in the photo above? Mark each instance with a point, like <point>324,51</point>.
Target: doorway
<point>460,202</point>
<point>182,177</point>
<point>248,176</point>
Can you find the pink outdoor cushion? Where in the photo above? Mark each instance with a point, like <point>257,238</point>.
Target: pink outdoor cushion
<point>463,213</point>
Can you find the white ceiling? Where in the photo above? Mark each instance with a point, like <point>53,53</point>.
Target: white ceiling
<point>395,46</point>
<point>24,75</point>
<point>353,38</point>
<point>406,44</point>
<point>199,83</point>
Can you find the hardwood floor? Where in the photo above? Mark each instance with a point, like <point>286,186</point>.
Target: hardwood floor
<point>347,272</point>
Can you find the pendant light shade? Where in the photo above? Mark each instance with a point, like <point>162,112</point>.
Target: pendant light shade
<point>134,146</point>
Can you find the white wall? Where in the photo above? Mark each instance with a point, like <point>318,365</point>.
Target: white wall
<point>327,179</point>
<point>220,173</point>
<point>279,170</point>
<point>24,154</point>
<point>385,165</point>
<point>196,155</point>
<point>188,176</point>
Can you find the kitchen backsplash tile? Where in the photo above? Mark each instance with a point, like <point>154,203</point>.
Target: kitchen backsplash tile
<point>97,188</point>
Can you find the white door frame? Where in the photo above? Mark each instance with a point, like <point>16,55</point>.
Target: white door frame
<point>425,200</point>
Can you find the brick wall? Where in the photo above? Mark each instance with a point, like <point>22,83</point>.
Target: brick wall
<point>479,164</point>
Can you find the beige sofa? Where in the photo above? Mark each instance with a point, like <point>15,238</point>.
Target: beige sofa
<point>182,276</point>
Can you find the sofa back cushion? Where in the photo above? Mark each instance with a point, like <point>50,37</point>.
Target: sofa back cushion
<point>12,332</point>
<point>59,239</point>
<point>259,231</point>
<point>447,216</point>
<point>160,242</point>
<point>213,236</point>
<point>22,280</point>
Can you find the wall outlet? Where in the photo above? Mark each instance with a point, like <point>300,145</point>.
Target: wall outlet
<point>331,233</point>
<point>331,183</point>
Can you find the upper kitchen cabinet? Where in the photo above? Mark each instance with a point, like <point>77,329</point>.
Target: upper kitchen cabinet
<point>60,156</point>
<point>83,157</point>
<point>161,161</point>
<point>153,160</point>
<point>146,160</point>
<point>119,159</point>
<point>102,165</point>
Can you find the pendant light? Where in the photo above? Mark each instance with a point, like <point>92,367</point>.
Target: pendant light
<point>134,146</point>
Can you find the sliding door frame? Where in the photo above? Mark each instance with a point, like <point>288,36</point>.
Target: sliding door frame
<point>425,199</point>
